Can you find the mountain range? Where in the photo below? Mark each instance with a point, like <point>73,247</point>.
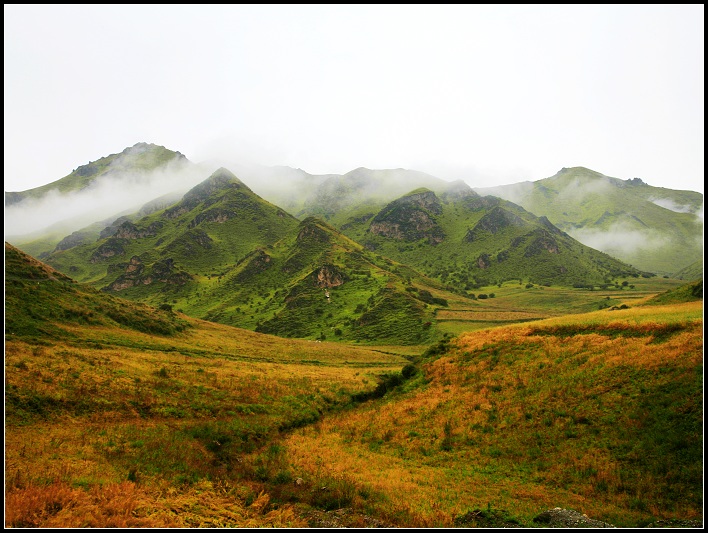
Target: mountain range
<point>370,256</point>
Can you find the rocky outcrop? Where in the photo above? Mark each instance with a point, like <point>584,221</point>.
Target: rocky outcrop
<point>76,238</point>
<point>356,221</point>
<point>558,517</point>
<point>310,232</point>
<point>484,261</point>
<point>478,203</point>
<point>498,219</point>
<point>348,517</point>
<point>329,276</point>
<point>86,171</point>
<point>410,218</point>
<point>158,204</point>
<point>206,193</point>
<point>112,247</point>
<point>213,215</point>
<point>192,243</point>
<point>255,263</point>
<point>110,231</point>
<point>135,274</point>
<point>543,242</point>
<point>128,230</point>
<point>550,227</point>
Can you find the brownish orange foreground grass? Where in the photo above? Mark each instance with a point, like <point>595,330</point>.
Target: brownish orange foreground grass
<point>124,429</point>
<point>218,427</point>
<point>569,412</point>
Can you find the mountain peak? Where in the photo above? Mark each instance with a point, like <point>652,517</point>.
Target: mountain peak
<point>221,178</point>
<point>222,188</point>
<point>141,147</point>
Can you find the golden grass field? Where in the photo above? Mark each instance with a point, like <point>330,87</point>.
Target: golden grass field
<point>521,432</point>
<point>213,426</point>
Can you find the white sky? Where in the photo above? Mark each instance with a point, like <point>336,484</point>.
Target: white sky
<point>490,94</point>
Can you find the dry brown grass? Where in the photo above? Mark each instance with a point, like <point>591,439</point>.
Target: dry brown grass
<point>496,422</point>
<point>127,505</point>
<point>467,438</point>
<point>83,417</point>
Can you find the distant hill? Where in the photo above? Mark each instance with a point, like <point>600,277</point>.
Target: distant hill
<point>339,198</point>
<point>390,246</point>
<point>693,271</point>
<point>652,228</point>
<point>286,187</point>
<point>174,238</point>
<point>142,157</point>
<point>104,189</point>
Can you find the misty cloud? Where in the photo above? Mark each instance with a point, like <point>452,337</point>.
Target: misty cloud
<point>579,188</point>
<point>621,239</point>
<point>114,194</point>
<point>669,204</point>
<point>516,193</point>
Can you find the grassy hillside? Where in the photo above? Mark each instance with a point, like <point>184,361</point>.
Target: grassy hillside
<point>224,253</point>
<point>689,292</point>
<point>362,191</point>
<point>652,228</point>
<point>41,302</point>
<point>601,413</point>
<point>319,284</point>
<point>214,225</point>
<point>691,272</point>
<point>42,243</point>
<point>287,187</point>
<point>96,194</point>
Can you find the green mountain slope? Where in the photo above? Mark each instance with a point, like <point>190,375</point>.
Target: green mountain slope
<point>317,283</point>
<point>468,241</point>
<point>690,292</point>
<point>214,225</point>
<point>283,186</point>
<point>224,254</point>
<point>653,228</point>
<point>691,272</point>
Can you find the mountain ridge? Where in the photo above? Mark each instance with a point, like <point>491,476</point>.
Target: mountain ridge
<point>653,228</point>
<point>649,238</point>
